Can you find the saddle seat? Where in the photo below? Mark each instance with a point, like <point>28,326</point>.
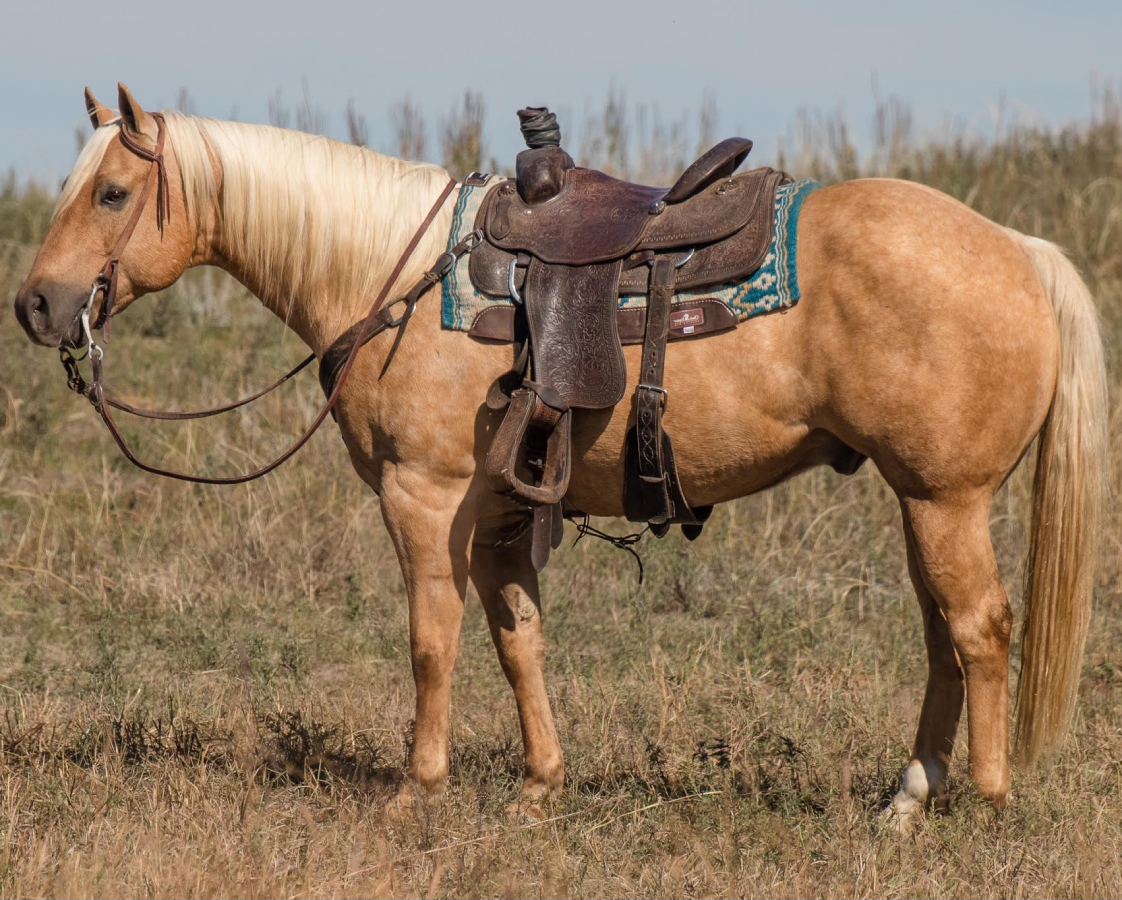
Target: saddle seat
<point>596,218</point>
<point>565,243</point>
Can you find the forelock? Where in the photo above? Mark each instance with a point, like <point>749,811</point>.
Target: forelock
<point>88,161</point>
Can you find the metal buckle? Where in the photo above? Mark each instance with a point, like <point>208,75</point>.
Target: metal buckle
<point>473,240</point>
<point>443,265</point>
<point>643,386</point>
<point>410,308</point>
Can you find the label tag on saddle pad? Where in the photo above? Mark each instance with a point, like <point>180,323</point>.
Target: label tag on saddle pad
<point>687,321</point>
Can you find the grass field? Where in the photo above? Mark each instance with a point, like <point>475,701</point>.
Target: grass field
<point>206,691</point>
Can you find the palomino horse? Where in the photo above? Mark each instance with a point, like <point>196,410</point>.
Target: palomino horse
<point>929,339</point>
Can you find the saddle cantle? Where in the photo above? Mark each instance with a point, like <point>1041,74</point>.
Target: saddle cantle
<point>566,243</point>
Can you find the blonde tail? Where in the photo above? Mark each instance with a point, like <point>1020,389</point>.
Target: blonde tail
<point>1067,505</point>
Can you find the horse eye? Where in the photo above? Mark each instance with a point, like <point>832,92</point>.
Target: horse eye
<point>113,196</point>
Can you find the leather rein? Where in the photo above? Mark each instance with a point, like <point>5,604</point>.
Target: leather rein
<point>377,320</point>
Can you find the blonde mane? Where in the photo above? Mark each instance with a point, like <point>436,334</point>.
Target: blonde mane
<point>304,216</point>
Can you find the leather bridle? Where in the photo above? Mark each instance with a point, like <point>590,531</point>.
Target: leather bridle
<point>106,281</point>
<point>377,320</point>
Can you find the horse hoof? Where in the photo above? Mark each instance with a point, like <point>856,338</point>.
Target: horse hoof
<point>904,814</point>
<point>524,809</point>
<point>405,804</point>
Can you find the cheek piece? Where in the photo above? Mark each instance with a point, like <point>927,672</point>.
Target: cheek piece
<point>105,283</point>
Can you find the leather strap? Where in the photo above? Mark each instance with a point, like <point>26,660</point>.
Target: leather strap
<point>95,391</point>
<point>548,529</point>
<point>106,280</point>
<point>652,492</point>
<point>205,413</point>
<point>336,355</point>
<point>650,397</point>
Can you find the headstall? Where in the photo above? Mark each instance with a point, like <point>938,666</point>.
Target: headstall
<point>377,320</point>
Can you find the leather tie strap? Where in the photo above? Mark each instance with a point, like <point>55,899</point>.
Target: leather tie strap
<point>336,355</point>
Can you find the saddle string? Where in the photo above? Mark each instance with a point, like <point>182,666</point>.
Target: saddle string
<point>581,520</point>
<point>95,390</point>
<point>620,542</point>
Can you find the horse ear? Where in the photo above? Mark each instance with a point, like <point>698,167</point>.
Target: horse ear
<point>134,119</point>
<point>99,115</point>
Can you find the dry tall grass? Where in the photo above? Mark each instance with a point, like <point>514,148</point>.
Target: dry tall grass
<point>206,690</point>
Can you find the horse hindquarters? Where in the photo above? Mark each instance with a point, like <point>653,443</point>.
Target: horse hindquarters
<point>935,334</point>
<point>1067,505</point>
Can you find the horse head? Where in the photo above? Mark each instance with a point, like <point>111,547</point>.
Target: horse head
<point>113,236</point>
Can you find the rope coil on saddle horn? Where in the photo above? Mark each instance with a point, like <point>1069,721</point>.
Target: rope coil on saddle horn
<point>539,127</point>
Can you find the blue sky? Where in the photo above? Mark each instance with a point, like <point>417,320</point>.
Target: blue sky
<point>762,62</point>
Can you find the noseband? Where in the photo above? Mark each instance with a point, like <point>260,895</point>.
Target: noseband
<point>377,320</point>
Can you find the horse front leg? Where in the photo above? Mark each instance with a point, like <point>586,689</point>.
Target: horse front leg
<point>508,589</point>
<point>431,526</point>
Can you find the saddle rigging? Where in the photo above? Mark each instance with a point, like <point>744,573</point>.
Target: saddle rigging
<point>565,243</point>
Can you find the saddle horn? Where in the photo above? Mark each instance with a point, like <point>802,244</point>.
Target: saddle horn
<point>540,170</point>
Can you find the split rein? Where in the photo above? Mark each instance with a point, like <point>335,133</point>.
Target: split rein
<point>377,320</point>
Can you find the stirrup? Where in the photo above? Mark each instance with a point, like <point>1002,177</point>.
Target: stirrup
<point>530,456</point>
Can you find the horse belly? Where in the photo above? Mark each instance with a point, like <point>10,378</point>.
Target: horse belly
<point>733,414</point>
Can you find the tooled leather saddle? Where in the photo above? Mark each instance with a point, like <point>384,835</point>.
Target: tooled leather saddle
<point>565,243</point>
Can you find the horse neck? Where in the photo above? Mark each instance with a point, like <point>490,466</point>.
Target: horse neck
<point>321,286</point>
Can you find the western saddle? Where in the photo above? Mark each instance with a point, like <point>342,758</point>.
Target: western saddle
<point>565,243</point>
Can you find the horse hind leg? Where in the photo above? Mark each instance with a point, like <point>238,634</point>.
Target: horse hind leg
<point>925,778</point>
<point>508,589</point>
<point>967,622</point>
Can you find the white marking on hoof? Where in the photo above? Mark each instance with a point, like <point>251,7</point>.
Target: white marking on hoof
<point>922,782</point>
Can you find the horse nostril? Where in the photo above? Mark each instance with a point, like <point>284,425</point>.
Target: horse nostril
<point>40,310</point>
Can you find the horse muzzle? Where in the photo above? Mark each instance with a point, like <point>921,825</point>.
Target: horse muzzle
<point>50,312</point>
